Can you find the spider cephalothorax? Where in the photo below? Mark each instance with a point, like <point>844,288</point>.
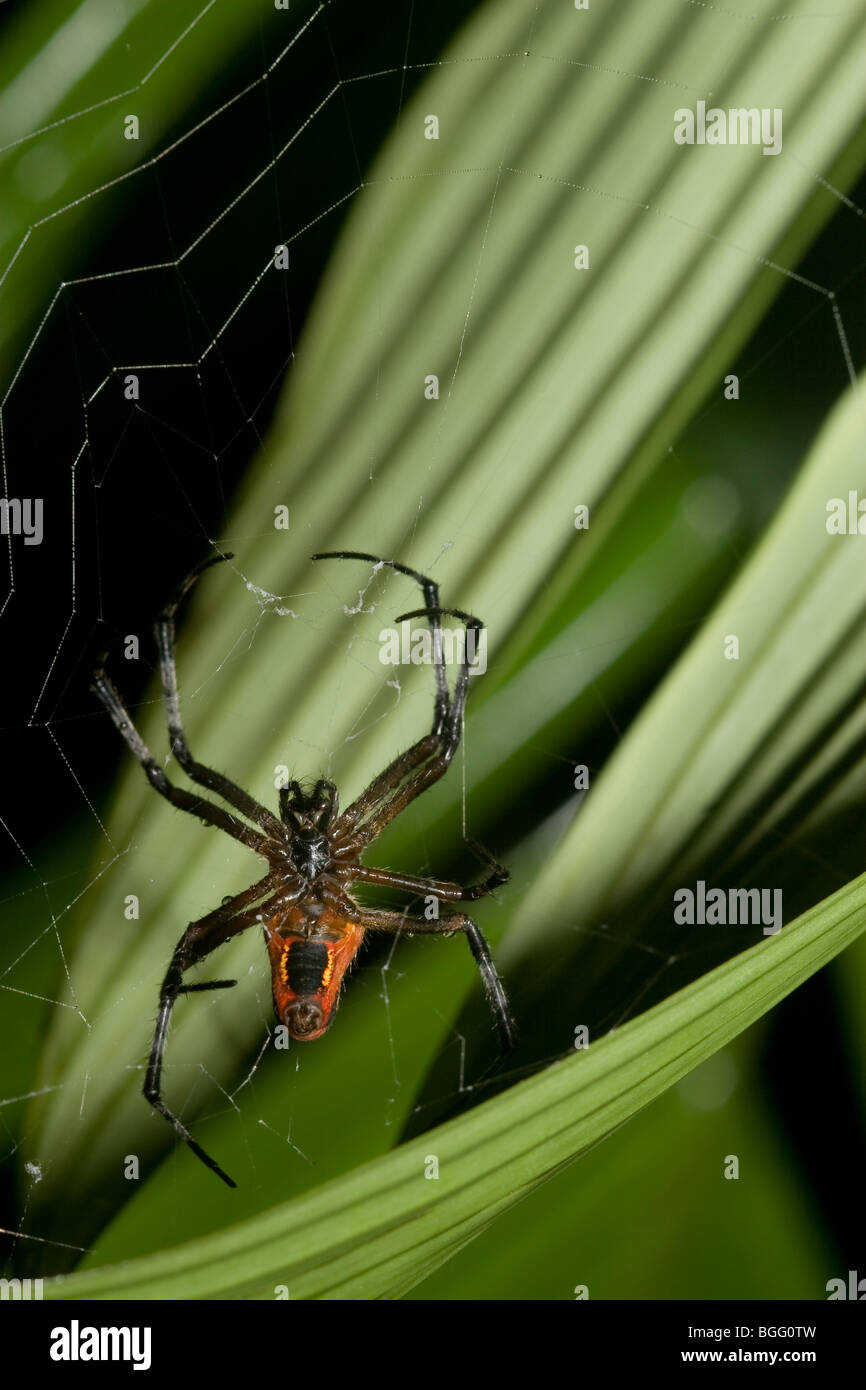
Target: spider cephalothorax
<point>313,925</point>
<point>309,818</point>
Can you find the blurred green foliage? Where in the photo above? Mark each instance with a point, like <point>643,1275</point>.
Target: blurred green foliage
<point>556,389</point>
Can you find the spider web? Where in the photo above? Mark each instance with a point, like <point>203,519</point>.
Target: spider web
<point>177,292</point>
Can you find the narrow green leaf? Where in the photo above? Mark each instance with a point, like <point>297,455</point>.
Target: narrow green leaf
<point>719,732</point>
<point>651,1212</point>
<point>558,387</point>
<point>375,1232</point>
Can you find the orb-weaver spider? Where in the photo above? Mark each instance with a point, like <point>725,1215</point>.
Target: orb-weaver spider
<point>313,926</point>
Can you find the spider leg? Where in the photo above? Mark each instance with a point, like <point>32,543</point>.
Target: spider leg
<point>453,726</point>
<point>424,777</point>
<point>199,939</point>
<point>164,634</point>
<point>385,797</point>
<point>430,590</point>
<point>388,780</point>
<point>497,876</point>
<point>409,883</point>
<point>493,986</point>
<point>104,688</point>
<point>396,922</point>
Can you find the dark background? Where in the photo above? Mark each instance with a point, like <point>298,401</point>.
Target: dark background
<point>200,428</point>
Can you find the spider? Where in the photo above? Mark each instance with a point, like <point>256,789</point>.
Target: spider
<point>313,927</point>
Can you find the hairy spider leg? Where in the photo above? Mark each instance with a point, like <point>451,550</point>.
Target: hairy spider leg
<point>429,758</point>
<point>398,923</point>
<point>430,590</point>
<point>164,636</point>
<point>199,939</point>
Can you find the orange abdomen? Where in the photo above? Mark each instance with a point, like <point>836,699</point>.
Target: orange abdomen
<point>309,958</point>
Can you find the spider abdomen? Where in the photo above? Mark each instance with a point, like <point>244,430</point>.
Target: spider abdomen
<point>309,959</point>
<point>306,964</point>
